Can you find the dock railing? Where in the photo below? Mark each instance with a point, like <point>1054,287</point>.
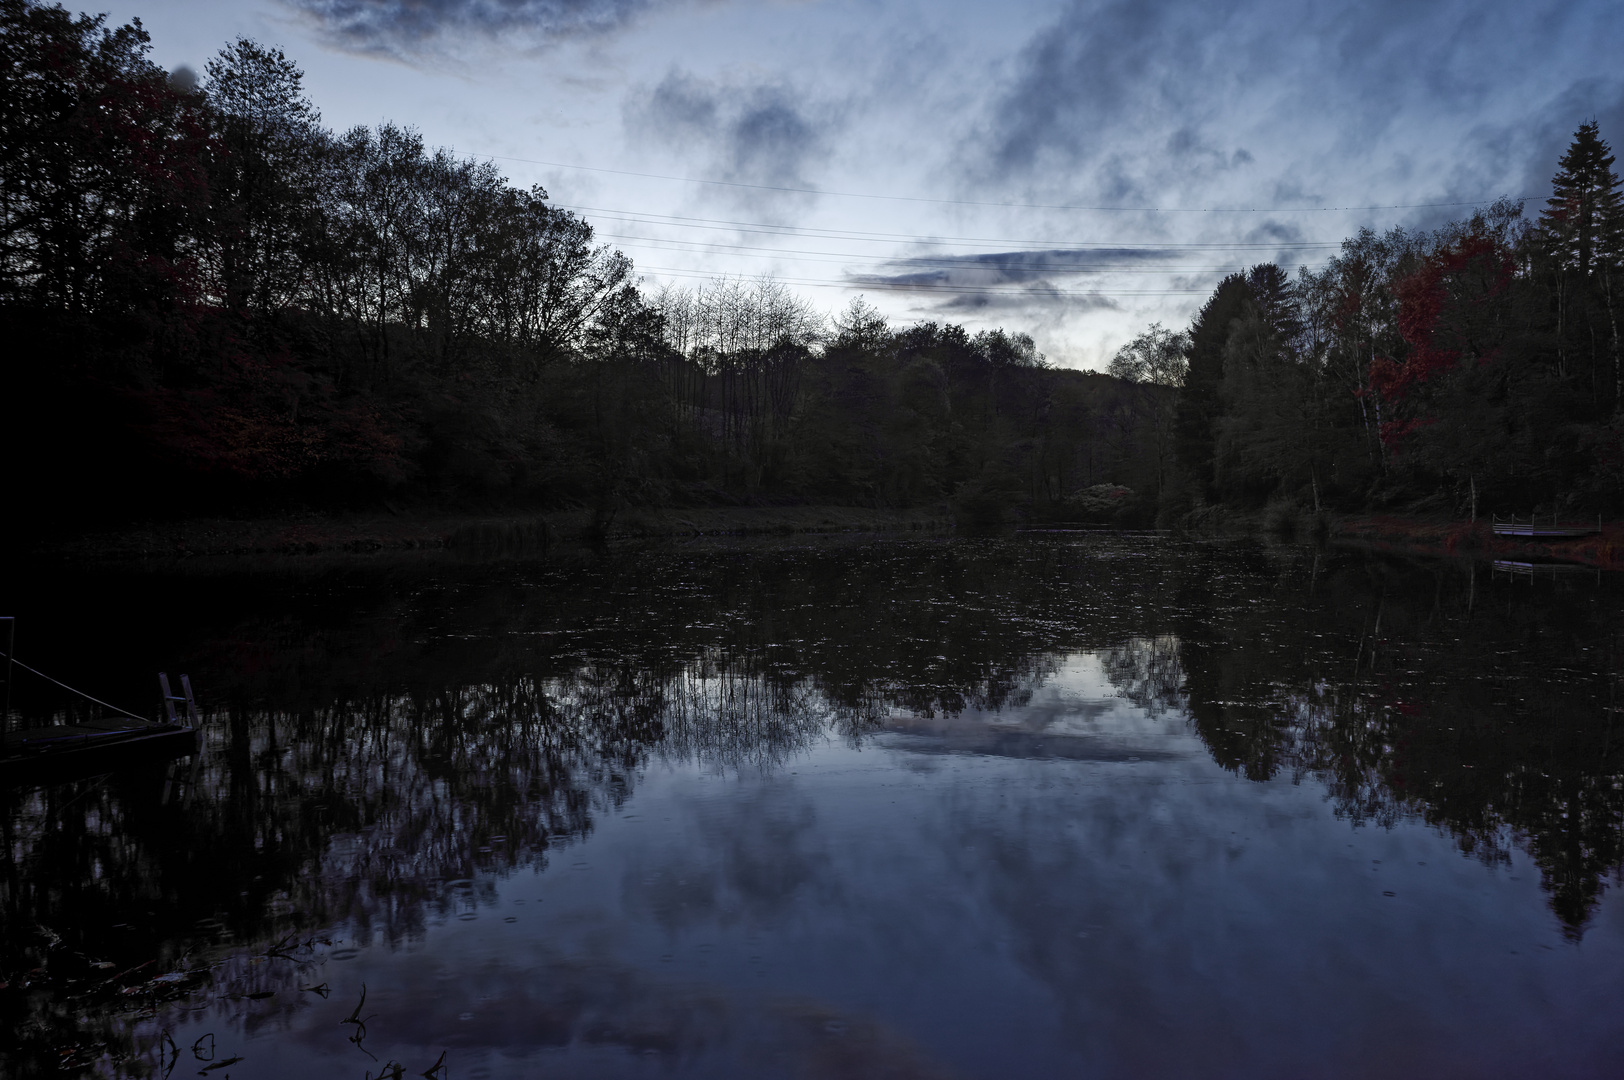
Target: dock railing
<point>1535,526</point>
<point>10,628</point>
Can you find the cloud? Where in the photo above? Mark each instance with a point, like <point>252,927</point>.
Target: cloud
<point>1176,102</point>
<point>407,27</point>
<point>1067,278</point>
<point>1019,267</point>
<point>754,132</point>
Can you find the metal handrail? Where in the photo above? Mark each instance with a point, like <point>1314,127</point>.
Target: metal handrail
<point>11,651</point>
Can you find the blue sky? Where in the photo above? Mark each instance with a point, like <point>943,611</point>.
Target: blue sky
<point>1073,169</point>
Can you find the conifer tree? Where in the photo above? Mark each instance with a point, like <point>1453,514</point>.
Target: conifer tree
<point>1198,401</point>
<point>1580,229</point>
<point>1584,201</point>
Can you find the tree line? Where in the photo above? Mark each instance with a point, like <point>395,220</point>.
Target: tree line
<point>1470,370</point>
<point>218,304</point>
<point>214,303</point>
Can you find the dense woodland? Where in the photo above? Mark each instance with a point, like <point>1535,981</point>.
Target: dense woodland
<point>213,303</point>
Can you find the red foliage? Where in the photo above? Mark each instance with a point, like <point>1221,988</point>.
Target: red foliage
<point>1439,303</point>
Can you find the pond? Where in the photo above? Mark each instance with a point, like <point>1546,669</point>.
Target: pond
<point>1038,805</point>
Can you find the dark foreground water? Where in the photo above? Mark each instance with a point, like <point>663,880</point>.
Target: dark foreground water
<point>1049,805</point>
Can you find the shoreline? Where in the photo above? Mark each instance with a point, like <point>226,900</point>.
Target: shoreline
<point>1421,536</point>
<point>295,537</point>
<point>355,534</point>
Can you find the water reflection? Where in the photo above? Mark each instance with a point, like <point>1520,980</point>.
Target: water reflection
<point>386,747</point>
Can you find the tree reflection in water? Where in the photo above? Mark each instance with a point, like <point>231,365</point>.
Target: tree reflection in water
<point>382,743</point>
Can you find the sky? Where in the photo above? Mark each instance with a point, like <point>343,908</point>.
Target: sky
<point>1076,170</point>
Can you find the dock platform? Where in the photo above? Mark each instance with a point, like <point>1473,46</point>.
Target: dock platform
<point>1545,532</point>
<point>39,753</point>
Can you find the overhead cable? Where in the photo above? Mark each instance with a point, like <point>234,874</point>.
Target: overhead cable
<point>1001,205</point>
<point>718,224</point>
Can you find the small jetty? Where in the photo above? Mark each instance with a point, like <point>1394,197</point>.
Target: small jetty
<point>1540,531</point>
<point>1553,570</point>
<point>48,752</point>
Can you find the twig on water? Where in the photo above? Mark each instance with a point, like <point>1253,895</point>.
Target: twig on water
<point>360,1025</point>
<point>355,1017</point>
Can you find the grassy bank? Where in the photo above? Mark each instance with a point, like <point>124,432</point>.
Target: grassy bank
<point>1443,537</point>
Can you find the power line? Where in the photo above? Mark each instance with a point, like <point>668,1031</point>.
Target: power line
<point>998,205</point>
<point>723,224</point>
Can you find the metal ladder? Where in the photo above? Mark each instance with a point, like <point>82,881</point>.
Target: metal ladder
<point>170,699</point>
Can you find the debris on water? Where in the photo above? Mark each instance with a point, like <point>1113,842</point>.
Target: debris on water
<point>360,1023</point>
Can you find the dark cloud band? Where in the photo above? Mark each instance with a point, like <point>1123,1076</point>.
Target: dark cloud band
<point>405,26</point>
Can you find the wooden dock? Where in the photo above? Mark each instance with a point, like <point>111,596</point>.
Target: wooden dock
<point>36,754</point>
<point>1552,570</point>
<point>1546,532</point>
<point>1534,530</point>
<point>45,753</point>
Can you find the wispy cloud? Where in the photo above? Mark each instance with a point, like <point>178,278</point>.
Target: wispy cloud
<point>1063,278</point>
<point>408,27</point>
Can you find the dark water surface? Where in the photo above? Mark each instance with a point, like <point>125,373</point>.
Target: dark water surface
<point>1033,806</point>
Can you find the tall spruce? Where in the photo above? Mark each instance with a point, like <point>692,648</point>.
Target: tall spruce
<point>1580,226</point>
<point>1198,405</point>
<point>1584,201</point>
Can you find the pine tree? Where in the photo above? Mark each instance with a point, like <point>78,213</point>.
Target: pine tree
<point>1198,400</point>
<point>1585,201</point>
<point>1580,229</point>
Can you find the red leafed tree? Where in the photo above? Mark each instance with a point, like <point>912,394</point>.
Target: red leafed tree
<point>1448,311</point>
<point>105,187</point>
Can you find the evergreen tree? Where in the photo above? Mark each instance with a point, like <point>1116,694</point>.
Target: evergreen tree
<point>1275,300</point>
<point>1198,401</point>
<point>1584,203</point>
<point>1580,230</point>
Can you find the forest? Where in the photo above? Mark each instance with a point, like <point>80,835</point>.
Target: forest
<point>216,305</point>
